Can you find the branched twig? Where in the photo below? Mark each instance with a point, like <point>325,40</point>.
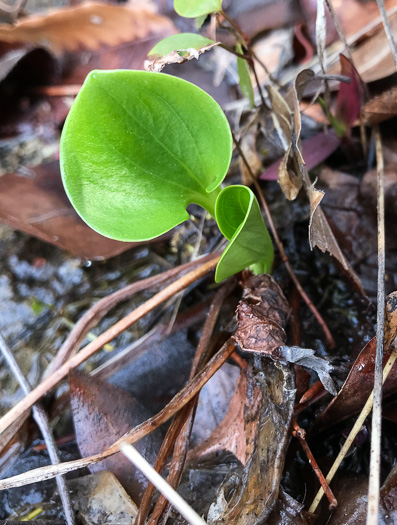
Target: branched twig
<point>43,423</point>
<point>354,431</point>
<point>183,397</point>
<point>105,337</point>
<point>374,473</point>
<point>283,255</point>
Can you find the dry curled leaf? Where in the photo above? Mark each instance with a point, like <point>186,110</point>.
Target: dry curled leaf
<point>157,62</point>
<point>262,316</point>
<point>86,26</point>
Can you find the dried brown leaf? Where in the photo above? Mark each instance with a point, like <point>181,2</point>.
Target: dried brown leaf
<point>262,315</point>
<point>158,62</point>
<point>359,383</point>
<point>289,182</point>
<point>86,26</point>
<point>39,206</point>
<point>102,413</point>
<point>380,108</point>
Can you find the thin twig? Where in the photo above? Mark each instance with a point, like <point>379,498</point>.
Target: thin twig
<point>388,30</point>
<point>283,255</point>
<point>43,423</point>
<point>161,461</point>
<point>200,358</point>
<point>107,336</point>
<point>374,472</point>
<point>154,477</point>
<point>300,434</point>
<point>354,431</point>
<point>186,394</point>
<point>102,307</point>
<point>339,29</point>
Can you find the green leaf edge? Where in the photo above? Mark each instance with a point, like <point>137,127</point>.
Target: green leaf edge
<point>193,11</point>
<point>244,77</point>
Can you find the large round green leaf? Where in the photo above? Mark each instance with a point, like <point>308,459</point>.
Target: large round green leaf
<point>239,219</point>
<point>137,148</point>
<point>180,42</point>
<point>193,8</point>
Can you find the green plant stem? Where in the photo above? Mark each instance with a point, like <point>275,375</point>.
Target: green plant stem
<point>251,55</point>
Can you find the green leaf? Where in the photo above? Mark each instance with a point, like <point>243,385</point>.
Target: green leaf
<point>245,77</point>
<point>137,148</point>
<point>180,42</point>
<point>195,8</point>
<point>199,21</point>
<point>239,219</point>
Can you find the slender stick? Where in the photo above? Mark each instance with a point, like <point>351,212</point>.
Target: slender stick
<point>388,30</point>
<point>339,29</point>
<point>200,358</point>
<point>154,477</point>
<point>139,432</point>
<point>43,423</point>
<point>374,472</point>
<point>354,431</point>
<point>105,337</point>
<point>300,434</point>
<point>102,307</point>
<point>284,258</point>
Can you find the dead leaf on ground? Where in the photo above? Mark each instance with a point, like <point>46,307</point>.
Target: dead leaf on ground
<point>37,204</point>
<point>352,495</point>
<point>86,26</point>
<point>380,108</point>
<point>98,496</point>
<point>235,432</point>
<point>359,383</point>
<point>102,413</point>
<point>371,55</point>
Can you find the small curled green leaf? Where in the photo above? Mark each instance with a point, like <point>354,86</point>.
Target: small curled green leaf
<point>239,219</point>
<point>195,8</point>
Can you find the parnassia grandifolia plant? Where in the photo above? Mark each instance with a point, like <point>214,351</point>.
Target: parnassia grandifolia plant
<point>138,147</point>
